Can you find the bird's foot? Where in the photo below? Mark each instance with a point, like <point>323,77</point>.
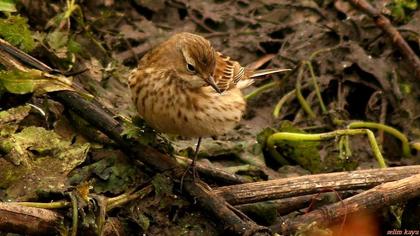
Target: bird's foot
<point>191,167</point>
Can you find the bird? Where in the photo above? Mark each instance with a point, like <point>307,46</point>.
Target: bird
<point>183,86</point>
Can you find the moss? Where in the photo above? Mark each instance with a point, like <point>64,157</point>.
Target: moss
<point>15,30</point>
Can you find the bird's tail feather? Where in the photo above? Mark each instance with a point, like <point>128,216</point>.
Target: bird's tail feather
<point>252,72</point>
<point>258,73</point>
<point>262,72</point>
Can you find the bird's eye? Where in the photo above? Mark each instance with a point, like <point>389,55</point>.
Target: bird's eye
<point>190,68</point>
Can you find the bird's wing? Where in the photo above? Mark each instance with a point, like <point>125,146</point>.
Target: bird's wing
<point>228,72</point>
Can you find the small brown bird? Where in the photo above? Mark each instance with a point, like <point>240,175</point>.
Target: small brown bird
<point>184,87</point>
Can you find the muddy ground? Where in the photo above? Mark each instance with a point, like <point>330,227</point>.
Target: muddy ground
<point>47,151</point>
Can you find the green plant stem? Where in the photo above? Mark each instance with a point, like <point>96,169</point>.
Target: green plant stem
<point>75,215</point>
<point>415,145</point>
<point>301,99</point>
<point>284,99</point>
<point>274,138</point>
<point>126,197</point>
<point>375,148</point>
<point>392,131</point>
<point>71,6</point>
<point>46,205</point>
<point>261,89</point>
<point>110,202</point>
<point>341,148</point>
<point>316,86</point>
<point>347,145</point>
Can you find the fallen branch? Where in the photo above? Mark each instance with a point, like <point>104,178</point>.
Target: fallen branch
<point>309,184</point>
<point>28,220</point>
<point>287,205</point>
<point>217,174</point>
<point>373,199</point>
<point>396,38</point>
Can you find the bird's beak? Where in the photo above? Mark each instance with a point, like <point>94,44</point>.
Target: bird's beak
<point>213,84</point>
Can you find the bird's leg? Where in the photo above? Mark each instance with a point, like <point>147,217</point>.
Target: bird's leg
<point>192,165</point>
<point>195,158</point>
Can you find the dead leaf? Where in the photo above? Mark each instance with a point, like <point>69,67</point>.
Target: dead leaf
<point>37,160</point>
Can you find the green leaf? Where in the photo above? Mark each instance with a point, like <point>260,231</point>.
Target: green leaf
<point>162,185</point>
<point>139,130</point>
<point>401,9</point>
<point>20,82</point>
<point>73,46</point>
<point>409,4</point>
<point>114,174</point>
<point>263,136</point>
<point>306,154</point>
<point>14,85</point>
<point>7,5</point>
<point>15,30</point>
<point>143,221</point>
<point>57,39</point>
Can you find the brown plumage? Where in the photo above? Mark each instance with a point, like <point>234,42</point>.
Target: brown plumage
<point>183,86</point>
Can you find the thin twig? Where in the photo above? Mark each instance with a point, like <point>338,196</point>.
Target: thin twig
<point>215,173</point>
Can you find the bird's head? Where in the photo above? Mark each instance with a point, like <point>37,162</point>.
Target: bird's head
<point>194,60</point>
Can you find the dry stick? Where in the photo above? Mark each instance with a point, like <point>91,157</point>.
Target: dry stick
<point>309,184</point>
<point>383,195</point>
<point>396,38</point>
<point>216,173</point>
<point>282,206</point>
<point>28,220</point>
<point>201,193</point>
<point>287,205</point>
